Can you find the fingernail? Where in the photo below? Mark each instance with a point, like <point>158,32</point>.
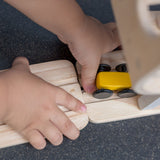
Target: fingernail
<point>83,108</point>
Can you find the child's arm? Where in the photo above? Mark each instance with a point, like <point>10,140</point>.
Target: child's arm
<point>62,17</point>
<point>86,37</point>
<point>29,105</point>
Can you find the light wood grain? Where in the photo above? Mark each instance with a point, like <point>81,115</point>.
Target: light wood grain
<point>9,137</point>
<point>63,73</point>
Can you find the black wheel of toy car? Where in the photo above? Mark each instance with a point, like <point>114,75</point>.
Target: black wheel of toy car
<point>102,93</point>
<point>121,68</point>
<point>104,68</point>
<point>126,93</point>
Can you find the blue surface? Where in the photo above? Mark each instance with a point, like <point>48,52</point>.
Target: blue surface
<point>136,139</point>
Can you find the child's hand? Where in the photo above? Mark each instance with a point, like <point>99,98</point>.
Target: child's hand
<point>91,40</point>
<point>86,37</point>
<point>30,106</point>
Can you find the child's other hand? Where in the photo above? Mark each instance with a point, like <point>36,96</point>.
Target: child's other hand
<point>30,106</point>
<point>88,43</point>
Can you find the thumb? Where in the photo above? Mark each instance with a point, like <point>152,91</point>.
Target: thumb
<point>88,76</point>
<point>21,63</point>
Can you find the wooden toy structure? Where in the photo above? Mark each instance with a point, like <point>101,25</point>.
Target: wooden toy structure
<point>139,30</point>
<point>62,73</point>
<point>140,35</point>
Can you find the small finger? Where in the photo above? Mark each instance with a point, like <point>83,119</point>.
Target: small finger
<point>64,124</point>
<point>36,139</point>
<point>65,99</point>
<point>52,133</point>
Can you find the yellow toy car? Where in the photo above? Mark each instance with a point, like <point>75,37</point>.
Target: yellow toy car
<point>107,82</point>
